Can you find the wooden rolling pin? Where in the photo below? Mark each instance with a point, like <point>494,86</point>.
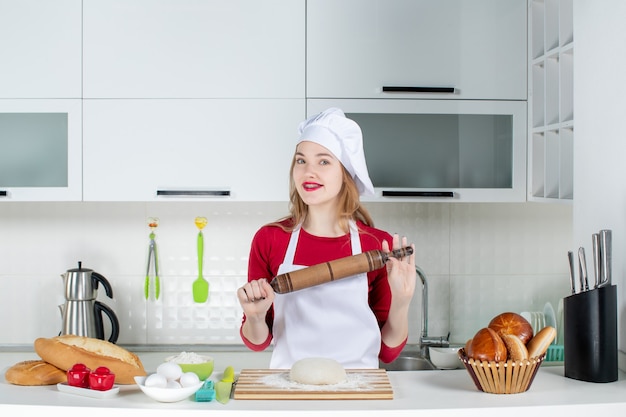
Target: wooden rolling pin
<point>334,270</point>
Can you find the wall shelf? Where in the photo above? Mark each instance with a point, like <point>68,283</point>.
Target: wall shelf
<point>551,100</point>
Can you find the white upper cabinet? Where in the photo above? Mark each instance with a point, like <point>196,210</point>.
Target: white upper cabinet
<point>40,150</point>
<point>193,49</point>
<point>40,49</point>
<point>476,49</point>
<point>207,149</point>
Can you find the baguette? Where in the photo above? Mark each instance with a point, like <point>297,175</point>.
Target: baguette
<point>34,372</point>
<point>67,350</point>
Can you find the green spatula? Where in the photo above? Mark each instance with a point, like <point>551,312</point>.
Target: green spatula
<point>200,285</point>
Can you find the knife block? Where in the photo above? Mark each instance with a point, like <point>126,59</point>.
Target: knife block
<point>590,335</point>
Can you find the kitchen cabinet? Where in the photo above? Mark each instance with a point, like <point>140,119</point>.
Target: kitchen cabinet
<point>40,46</point>
<point>40,150</point>
<point>551,100</point>
<point>193,49</point>
<point>475,48</point>
<point>440,150</point>
<point>163,150</point>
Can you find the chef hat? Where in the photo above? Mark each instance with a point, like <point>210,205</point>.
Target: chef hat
<point>343,137</point>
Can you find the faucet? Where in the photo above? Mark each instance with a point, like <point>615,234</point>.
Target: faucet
<point>425,340</point>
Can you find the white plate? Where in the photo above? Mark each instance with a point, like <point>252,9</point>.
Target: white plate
<point>86,392</point>
<point>550,316</point>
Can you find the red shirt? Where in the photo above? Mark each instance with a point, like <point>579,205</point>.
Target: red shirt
<point>269,246</point>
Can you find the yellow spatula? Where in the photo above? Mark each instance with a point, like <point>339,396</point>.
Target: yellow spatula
<point>200,285</point>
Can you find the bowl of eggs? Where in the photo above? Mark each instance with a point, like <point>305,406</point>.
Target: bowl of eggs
<point>201,365</point>
<point>169,383</point>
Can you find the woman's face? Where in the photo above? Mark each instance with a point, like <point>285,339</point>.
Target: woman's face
<point>317,174</point>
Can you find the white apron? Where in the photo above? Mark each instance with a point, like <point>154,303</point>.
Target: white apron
<point>329,320</point>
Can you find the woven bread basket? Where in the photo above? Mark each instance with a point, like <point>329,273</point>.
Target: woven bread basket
<point>509,377</point>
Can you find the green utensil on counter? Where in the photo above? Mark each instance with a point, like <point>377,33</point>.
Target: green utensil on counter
<point>200,285</point>
<point>153,223</point>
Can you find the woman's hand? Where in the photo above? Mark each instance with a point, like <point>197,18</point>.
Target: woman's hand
<point>402,278</point>
<point>256,297</point>
<point>401,273</point>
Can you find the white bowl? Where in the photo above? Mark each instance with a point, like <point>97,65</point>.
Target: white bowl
<point>445,357</point>
<point>167,395</point>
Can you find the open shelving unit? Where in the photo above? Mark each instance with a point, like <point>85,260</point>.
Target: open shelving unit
<point>551,100</point>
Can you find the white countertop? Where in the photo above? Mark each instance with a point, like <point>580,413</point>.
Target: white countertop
<point>432,393</point>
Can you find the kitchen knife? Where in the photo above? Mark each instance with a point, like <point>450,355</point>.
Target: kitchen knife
<point>584,282</point>
<point>605,256</point>
<point>597,270</point>
<point>572,273</point>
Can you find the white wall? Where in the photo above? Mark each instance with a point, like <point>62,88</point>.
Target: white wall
<point>600,139</point>
<point>481,259</point>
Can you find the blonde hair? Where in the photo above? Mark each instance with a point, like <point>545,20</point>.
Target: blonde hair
<point>349,207</point>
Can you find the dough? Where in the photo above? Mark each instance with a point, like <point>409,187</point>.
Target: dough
<point>317,371</point>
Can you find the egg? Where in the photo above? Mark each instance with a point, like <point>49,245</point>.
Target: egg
<point>173,384</point>
<point>156,381</point>
<point>189,379</point>
<point>171,371</point>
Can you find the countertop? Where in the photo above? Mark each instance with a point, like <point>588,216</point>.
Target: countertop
<point>432,393</point>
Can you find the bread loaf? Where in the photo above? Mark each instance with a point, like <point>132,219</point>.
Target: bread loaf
<point>486,345</point>
<point>512,323</point>
<point>516,349</point>
<point>34,372</point>
<point>540,343</point>
<point>65,351</point>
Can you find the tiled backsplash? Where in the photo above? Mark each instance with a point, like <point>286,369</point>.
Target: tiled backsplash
<point>480,259</point>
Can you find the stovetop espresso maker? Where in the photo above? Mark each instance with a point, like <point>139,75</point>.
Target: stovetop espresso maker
<point>81,313</point>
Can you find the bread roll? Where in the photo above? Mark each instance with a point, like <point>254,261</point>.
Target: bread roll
<point>512,323</point>
<point>65,351</point>
<point>467,346</point>
<point>516,349</point>
<point>540,343</point>
<point>486,345</point>
<point>34,372</point>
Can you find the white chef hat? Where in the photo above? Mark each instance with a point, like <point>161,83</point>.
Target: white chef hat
<point>343,137</point>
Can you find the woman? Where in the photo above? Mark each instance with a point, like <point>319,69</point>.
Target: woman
<point>356,320</point>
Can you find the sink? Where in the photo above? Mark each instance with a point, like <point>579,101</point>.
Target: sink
<point>409,363</point>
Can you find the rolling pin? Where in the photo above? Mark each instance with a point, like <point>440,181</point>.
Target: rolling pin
<point>334,270</point>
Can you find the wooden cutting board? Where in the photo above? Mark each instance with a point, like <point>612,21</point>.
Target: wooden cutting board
<point>274,384</point>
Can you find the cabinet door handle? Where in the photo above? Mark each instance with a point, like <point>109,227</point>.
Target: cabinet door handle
<point>390,89</point>
<point>438,194</point>
<point>193,193</point>
<point>3,193</point>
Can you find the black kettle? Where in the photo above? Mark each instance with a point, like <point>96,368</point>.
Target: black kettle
<point>82,314</point>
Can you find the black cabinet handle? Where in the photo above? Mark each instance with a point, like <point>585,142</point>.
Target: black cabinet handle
<point>193,193</point>
<point>389,89</point>
<point>3,193</point>
<point>438,194</point>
